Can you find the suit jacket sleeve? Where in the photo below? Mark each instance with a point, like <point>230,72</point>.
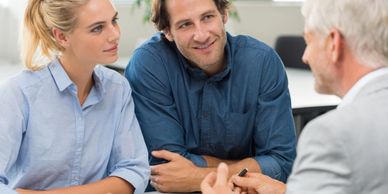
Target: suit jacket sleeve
<point>322,164</point>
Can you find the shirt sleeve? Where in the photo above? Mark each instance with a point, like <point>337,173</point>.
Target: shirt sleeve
<point>129,155</point>
<point>156,107</point>
<point>275,138</point>
<point>12,123</point>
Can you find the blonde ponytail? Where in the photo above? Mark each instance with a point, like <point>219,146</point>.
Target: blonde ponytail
<point>40,17</point>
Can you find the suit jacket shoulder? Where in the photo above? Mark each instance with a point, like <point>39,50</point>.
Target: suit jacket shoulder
<point>343,150</point>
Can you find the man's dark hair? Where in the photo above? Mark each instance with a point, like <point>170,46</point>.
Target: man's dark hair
<point>161,18</point>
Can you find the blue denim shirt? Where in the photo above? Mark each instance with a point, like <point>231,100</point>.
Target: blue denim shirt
<point>48,140</point>
<point>243,111</point>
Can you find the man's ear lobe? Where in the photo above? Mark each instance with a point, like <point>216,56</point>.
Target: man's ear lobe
<point>168,35</point>
<point>60,37</point>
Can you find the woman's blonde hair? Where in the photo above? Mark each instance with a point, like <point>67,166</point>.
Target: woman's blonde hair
<point>40,17</point>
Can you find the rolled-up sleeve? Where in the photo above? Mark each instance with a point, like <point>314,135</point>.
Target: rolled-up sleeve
<point>275,137</point>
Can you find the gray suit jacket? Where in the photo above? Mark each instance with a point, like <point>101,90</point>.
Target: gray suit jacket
<point>346,150</point>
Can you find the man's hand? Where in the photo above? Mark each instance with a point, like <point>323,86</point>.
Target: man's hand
<point>259,183</point>
<point>178,175</point>
<point>217,183</point>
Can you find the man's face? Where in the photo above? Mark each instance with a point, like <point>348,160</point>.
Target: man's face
<point>197,27</point>
<point>315,55</point>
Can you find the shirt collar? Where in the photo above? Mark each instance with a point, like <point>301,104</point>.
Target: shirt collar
<point>59,75</point>
<point>63,81</point>
<point>352,93</point>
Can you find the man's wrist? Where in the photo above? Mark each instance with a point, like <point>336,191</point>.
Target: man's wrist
<point>198,176</point>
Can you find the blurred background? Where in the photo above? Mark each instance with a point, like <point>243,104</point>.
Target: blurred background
<point>263,19</point>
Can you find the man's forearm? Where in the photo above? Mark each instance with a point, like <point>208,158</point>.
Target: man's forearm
<point>234,165</point>
<point>199,176</point>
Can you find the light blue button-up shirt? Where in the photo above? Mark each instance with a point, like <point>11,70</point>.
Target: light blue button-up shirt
<point>49,141</point>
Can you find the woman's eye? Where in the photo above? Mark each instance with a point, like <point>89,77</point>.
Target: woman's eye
<point>115,20</point>
<point>97,29</point>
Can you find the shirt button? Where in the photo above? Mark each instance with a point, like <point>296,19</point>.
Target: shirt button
<point>205,114</point>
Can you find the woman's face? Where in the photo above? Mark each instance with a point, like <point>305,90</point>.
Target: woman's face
<point>95,37</point>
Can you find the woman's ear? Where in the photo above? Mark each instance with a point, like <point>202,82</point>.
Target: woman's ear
<point>60,37</point>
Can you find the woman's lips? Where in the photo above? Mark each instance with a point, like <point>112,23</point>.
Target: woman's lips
<point>113,49</point>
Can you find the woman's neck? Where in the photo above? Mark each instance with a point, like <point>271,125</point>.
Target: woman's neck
<point>81,74</point>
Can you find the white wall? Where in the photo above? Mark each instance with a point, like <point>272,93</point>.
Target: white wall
<point>8,35</point>
<point>133,29</point>
<point>11,13</point>
<point>267,20</point>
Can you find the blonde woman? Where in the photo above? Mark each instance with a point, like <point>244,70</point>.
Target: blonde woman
<point>69,126</point>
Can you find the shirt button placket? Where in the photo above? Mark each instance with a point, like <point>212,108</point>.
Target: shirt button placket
<point>80,128</point>
<point>205,119</point>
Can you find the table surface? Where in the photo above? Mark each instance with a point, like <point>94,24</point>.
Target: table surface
<point>303,94</point>
<point>301,85</point>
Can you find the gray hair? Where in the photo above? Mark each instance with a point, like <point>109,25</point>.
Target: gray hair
<point>363,23</point>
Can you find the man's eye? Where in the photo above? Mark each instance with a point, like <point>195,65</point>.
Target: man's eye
<point>207,17</point>
<point>185,25</point>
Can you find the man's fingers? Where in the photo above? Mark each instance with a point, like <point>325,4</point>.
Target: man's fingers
<point>154,170</point>
<point>155,185</point>
<point>248,182</point>
<point>210,178</point>
<point>255,175</point>
<point>164,154</point>
<point>222,174</point>
<point>237,190</point>
<point>256,181</point>
<point>154,179</point>
<point>208,182</point>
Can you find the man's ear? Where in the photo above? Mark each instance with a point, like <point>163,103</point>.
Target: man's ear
<point>60,37</point>
<point>335,45</point>
<point>225,16</point>
<point>168,34</point>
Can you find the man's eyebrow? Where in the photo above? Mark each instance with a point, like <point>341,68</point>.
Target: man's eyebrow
<point>187,20</point>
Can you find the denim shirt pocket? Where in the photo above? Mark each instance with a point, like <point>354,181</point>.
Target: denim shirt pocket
<point>239,131</point>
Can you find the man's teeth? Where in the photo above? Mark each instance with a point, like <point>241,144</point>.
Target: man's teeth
<point>204,46</point>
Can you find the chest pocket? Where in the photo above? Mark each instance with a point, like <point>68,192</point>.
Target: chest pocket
<point>238,134</point>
